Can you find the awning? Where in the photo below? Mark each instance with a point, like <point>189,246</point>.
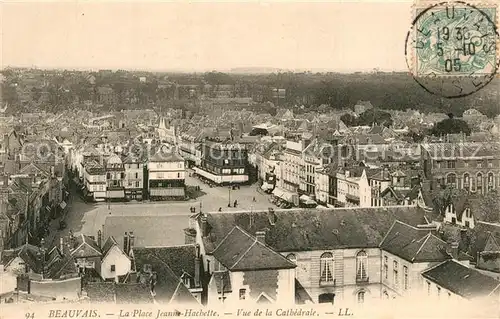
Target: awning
<point>265,186</point>
<point>307,200</point>
<point>171,191</point>
<point>278,192</point>
<point>63,205</point>
<point>116,193</point>
<point>283,194</point>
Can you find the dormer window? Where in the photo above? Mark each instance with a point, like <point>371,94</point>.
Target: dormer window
<point>186,281</point>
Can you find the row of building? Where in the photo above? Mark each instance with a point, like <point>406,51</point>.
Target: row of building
<point>345,256</point>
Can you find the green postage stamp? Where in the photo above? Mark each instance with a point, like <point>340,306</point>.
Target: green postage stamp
<point>452,48</point>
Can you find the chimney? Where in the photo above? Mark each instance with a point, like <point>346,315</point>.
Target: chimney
<point>99,238</point>
<point>261,236</point>
<point>131,242</point>
<point>125,243</point>
<point>61,245</point>
<point>454,250</point>
<point>204,225</point>
<point>197,267</point>
<point>272,216</point>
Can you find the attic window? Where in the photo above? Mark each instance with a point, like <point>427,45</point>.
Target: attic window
<point>113,268</point>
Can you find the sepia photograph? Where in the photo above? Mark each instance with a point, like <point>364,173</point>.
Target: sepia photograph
<point>273,159</point>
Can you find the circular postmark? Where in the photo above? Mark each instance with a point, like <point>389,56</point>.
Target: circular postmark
<point>451,48</point>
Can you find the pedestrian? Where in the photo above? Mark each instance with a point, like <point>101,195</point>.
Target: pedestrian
<point>254,199</point>
<point>220,209</point>
<point>235,203</point>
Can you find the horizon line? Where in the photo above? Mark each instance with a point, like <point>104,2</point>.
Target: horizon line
<point>235,70</point>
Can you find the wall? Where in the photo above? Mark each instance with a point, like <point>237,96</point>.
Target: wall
<point>59,289</point>
<point>166,166</point>
<point>308,273</point>
<point>414,275</point>
<point>115,257</point>
<point>167,175</point>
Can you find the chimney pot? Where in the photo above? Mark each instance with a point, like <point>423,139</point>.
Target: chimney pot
<point>204,225</point>
<point>131,242</point>
<point>125,242</point>
<point>99,239</point>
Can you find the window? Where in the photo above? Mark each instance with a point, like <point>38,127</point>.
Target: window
<point>185,280</point>
<point>438,291</point>
<point>178,175</point>
<point>491,181</point>
<point>386,267</point>
<point>243,293</point>
<point>466,164</point>
<point>361,261</point>
<point>113,268</point>
<point>326,298</point>
<point>136,175</point>
<point>479,164</point>
<point>451,179</point>
<point>137,184</point>
<point>326,268</point>
<point>466,181</point>
<point>292,258</point>
<point>428,288</point>
<point>361,296</point>
<point>479,181</point>
<point>395,273</point>
<point>405,277</point>
<point>490,164</point>
<point>451,164</point>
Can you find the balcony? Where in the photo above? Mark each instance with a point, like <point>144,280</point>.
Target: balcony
<point>327,283</point>
<point>362,280</point>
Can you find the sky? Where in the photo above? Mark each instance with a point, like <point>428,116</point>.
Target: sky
<point>334,36</point>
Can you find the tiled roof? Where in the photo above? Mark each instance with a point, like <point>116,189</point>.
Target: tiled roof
<point>84,246</point>
<point>133,293</point>
<point>481,233</point>
<point>166,156</point>
<point>241,251</point>
<point>461,280</point>
<point>167,281</point>
<point>181,259</point>
<point>314,229</point>
<point>110,243</point>
<point>461,150</point>
<point>101,292</point>
<point>414,244</point>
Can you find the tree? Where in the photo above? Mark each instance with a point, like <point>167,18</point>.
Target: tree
<point>375,116</point>
<point>444,197</point>
<point>348,119</point>
<point>488,207</point>
<point>451,125</point>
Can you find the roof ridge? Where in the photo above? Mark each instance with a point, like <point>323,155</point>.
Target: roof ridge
<point>243,255</point>
<point>422,245</point>
<point>273,251</point>
<point>223,239</point>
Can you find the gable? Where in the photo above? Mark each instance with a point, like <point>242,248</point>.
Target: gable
<point>114,254</point>
<point>85,250</point>
<point>491,244</point>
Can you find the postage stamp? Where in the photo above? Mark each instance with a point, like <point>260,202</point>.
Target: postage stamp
<point>452,47</point>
